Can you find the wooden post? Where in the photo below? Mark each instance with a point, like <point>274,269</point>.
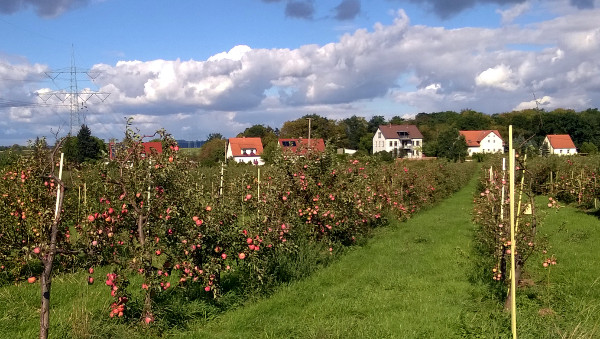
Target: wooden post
<point>513,281</point>
<point>46,276</point>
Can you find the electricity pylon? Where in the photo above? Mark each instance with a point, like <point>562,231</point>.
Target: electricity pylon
<point>76,99</point>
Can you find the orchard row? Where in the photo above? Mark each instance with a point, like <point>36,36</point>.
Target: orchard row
<point>172,225</point>
<point>564,179</point>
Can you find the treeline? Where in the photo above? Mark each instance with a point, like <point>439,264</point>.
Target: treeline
<point>529,128</point>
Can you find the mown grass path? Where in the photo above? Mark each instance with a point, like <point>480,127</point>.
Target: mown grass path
<point>409,281</point>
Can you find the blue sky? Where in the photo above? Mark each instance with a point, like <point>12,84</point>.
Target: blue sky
<point>199,67</point>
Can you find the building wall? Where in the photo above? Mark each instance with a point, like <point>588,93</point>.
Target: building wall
<point>490,144</point>
<point>389,145</point>
<point>559,151</point>
<point>248,159</point>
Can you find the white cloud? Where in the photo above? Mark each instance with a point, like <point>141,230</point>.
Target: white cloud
<point>539,103</point>
<point>236,54</point>
<point>413,67</point>
<point>500,76</point>
<point>509,15</point>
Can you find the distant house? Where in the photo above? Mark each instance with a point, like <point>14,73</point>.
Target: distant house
<point>485,141</point>
<point>560,144</point>
<point>247,150</point>
<point>401,140</point>
<point>151,147</point>
<point>300,146</point>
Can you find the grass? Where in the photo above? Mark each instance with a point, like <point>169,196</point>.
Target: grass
<point>408,281</point>
<point>417,279</point>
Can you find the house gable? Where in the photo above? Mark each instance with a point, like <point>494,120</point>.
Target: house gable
<point>404,140</point>
<point>245,150</point>
<point>483,141</point>
<point>560,144</point>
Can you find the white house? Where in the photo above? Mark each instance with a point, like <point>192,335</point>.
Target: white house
<point>403,140</point>
<point>246,150</point>
<point>485,141</point>
<point>560,144</point>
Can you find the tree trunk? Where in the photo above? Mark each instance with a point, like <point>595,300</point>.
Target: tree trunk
<point>46,279</point>
<point>511,293</point>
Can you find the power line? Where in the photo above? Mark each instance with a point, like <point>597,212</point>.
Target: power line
<point>76,99</point>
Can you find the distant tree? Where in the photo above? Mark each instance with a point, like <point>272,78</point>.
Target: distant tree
<point>470,120</point>
<point>452,145</point>
<point>270,152</point>
<point>366,143</point>
<point>212,136</point>
<point>397,120</point>
<point>87,146</point>
<point>430,148</point>
<point>375,122</point>
<point>70,149</point>
<point>589,148</point>
<point>266,134</point>
<point>212,152</point>
<point>321,127</point>
<point>355,128</point>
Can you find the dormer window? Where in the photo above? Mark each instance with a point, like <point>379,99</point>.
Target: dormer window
<point>402,134</point>
<point>249,151</point>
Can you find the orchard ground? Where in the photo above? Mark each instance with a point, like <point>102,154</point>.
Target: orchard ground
<point>413,279</point>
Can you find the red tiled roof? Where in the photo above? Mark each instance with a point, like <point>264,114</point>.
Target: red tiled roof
<point>474,138</point>
<point>152,146</point>
<point>292,144</point>
<point>391,131</point>
<point>238,144</point>
<point>558,141</point>
<point>149,148</point>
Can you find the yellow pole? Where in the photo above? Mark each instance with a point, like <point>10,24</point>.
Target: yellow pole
<point>513,282</point>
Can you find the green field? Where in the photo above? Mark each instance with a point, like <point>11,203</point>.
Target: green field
<point>416,279</point>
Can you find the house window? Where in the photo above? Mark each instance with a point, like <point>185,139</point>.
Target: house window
<point>379,135</point>
<point>418,143</point>
<point>390,144</point>
<point>288,143</point>
<point>395,143</point>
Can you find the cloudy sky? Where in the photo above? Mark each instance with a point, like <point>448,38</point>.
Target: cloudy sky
<point>200,67</point>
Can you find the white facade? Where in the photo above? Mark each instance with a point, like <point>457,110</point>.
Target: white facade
<point>248,156</point>
<point>563,145</point>
<point>491,143</point>
<point>245,150</point>
<point>399,144</point>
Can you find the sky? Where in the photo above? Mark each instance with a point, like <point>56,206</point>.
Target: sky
<point>201,67</point>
